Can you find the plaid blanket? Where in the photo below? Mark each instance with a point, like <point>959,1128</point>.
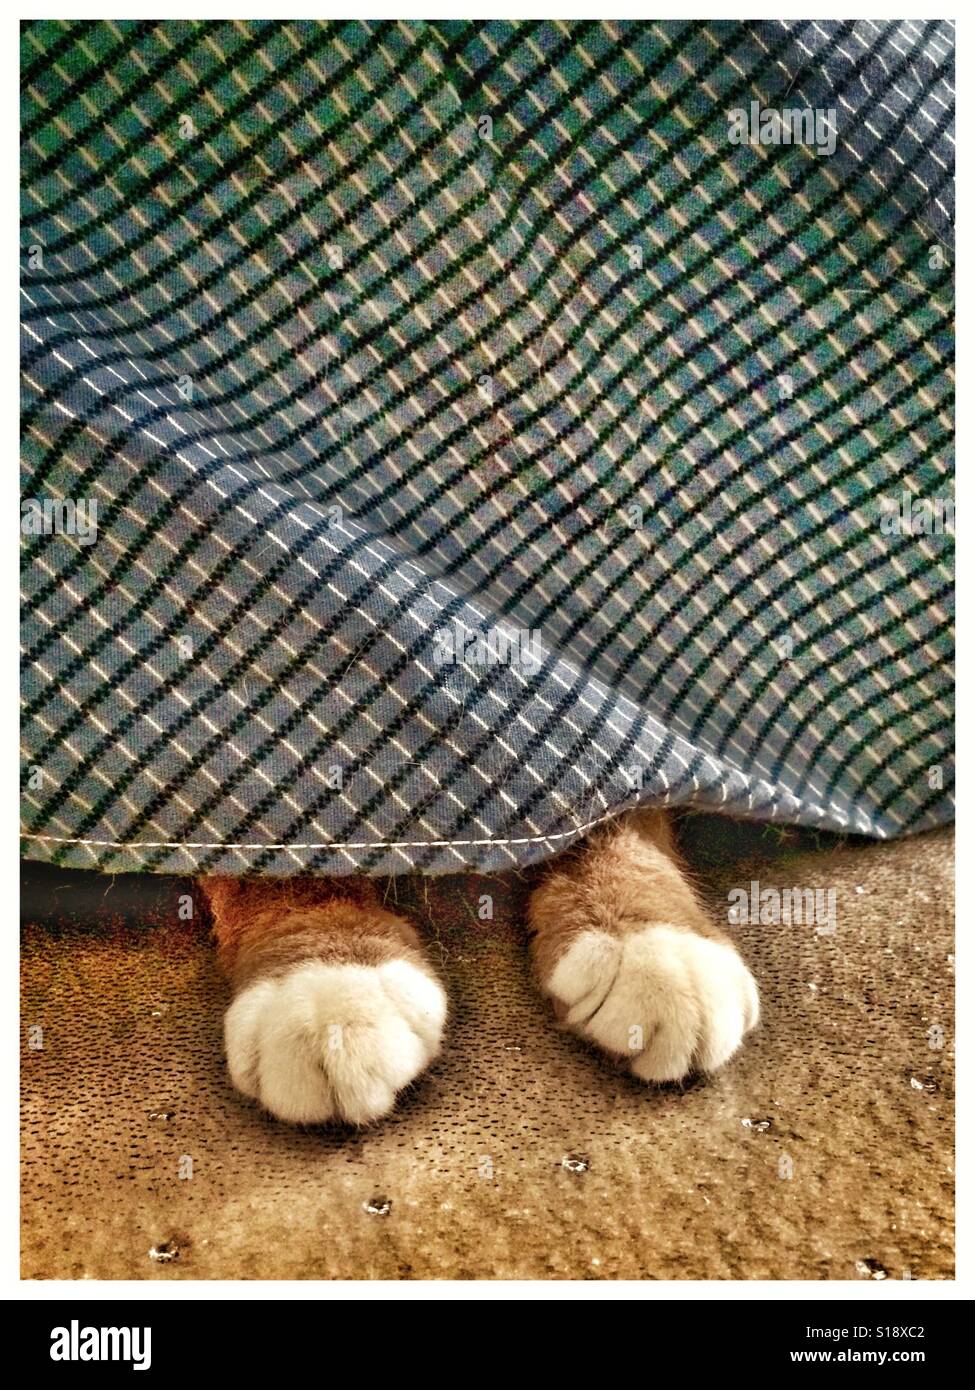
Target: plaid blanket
<point>439,437</point>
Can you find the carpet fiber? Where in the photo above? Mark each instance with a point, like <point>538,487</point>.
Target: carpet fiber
<point>521,1154</point>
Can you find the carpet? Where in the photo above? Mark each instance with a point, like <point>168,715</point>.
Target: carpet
<point>823,1151</point>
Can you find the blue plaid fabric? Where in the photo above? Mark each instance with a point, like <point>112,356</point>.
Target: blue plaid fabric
<point>439,437</point>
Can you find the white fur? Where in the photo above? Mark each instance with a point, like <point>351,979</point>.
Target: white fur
<point>671,1001</point>
<point>334,1041</point>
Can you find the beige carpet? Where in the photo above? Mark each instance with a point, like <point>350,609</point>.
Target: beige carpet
<point>522,1154</point>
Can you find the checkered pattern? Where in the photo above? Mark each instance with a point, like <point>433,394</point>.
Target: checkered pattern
<point>357,332</point>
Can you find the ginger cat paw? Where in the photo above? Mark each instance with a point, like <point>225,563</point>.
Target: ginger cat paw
<point>630,960</point>
<point>670,1001</point>
<point>336,1007</point>
<point>331,1041</point>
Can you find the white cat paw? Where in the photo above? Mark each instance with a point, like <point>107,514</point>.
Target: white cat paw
<point>669,1000</point>
<point>328,1041</point>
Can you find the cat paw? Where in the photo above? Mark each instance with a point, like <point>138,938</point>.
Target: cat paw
<point>669,1000</point>
<point>334,1041</point>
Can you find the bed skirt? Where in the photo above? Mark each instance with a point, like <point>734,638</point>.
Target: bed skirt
<point>439,437</point>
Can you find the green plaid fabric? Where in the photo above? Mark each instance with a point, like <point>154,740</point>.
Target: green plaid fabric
<point>441,436</point>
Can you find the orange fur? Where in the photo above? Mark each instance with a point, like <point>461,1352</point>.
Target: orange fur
<point>266,925</point>
<point>337,1008</point>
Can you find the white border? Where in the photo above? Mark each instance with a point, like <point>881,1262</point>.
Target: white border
<point>487,1290</point>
